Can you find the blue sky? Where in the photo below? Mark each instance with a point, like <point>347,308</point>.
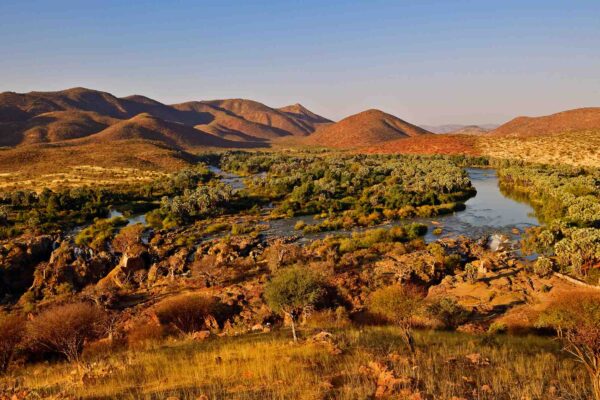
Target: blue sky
<point>428,62</point>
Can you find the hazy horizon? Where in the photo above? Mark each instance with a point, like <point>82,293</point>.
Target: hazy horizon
<point>430,63</point>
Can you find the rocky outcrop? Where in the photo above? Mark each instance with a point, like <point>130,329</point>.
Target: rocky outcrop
<point>73,266</point>
<point>18,260</point>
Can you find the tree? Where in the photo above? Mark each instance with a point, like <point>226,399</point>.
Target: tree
<point>398,304</point>
<point>576,320</point>
<point>65,329</point>
<point>292,291</point>
<point>11,334</point>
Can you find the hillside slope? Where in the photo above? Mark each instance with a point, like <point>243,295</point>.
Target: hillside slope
<point>367,128</point>
<point>147,127</point>
<point>257,112</point>
<point>579,119</point>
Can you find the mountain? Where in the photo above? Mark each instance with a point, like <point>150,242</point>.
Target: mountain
<point>304,116</point>
<point>225,124</point>
<point>80,99</point>
<point>257,112</point>
<point>470,130</point>
<point>579,119</point>
<point>456,128</point>
<point>50,117</point>
<point>367,128</point>
<point>54,126</point>
<point>147,127</point>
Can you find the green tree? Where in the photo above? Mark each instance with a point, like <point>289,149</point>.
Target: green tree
<point>292,291</point>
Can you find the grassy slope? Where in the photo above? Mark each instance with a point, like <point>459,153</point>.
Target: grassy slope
<point>267,366</point>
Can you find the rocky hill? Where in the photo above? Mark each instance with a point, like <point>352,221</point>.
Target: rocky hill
<point>579,119</point>
<point>368,128</point>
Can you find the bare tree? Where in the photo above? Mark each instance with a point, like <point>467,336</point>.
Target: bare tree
<point>65,329</point>
<point>11,334</point>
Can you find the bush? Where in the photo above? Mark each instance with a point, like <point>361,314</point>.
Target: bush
<point>497,327</point>
<point>65,329</point>
<point>543,266</point>
<point>292,291</point>
<point>186,312</point>
<point>11,334</point>
<point>142,334</point>
<point>398,304</point>
<point>448,312</point>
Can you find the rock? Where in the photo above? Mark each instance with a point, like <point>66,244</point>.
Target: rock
<point>327,340</point>
<point>18,261</point>
<point>387,383</point>
<point>201,335</point>
<point>477,359</point>
<point>498,242</point>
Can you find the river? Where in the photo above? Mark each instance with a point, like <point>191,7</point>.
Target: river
<point>487,213</point>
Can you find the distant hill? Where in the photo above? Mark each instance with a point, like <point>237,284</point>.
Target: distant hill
<point>54,126</point>
<point>257,112</point>
<point>228,125</point>
<point>580,119</point>
<point>367,128</point>
<point>470,130</point>
<point>456,128</point>
<point>53,117</point>
<point>304,116</point>
<point>147,127</point>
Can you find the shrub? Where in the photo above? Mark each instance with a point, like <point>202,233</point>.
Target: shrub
<point>448,311</point>
<point>141,334</point>
<point>185,312</point>
<point>543,266</point>
<point>497,327</point>
<point>471,272</point>
<point>11,334</point>
<point>100,232</point>
<point>65,329</point>
<point>329,318</point>
<point>292,291</point>
<point>576,320</point>
<point>398,304</point>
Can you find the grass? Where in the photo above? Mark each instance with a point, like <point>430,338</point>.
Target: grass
<point>573,148</point>
<point>268,366</point>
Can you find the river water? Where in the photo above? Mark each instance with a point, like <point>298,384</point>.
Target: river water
<point>489,212</point>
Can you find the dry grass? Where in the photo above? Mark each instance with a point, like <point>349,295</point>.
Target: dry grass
<point>83,175</point>
<point>574,148</point>
<point>267,366</point>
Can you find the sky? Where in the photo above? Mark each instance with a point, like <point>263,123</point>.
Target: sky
<point>428,62</point>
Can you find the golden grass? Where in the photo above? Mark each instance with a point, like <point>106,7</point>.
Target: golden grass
<point>77,176</point>
<point>268,366</point>
<point>573,148</point>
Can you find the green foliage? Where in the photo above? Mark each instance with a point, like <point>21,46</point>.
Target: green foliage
<point>448,311</point>
<point>99,233</point>
<point>397,303</point>
<point>293,290</point>
<point>360,188</point>
<point>543,266</point>
<point>567,199</point>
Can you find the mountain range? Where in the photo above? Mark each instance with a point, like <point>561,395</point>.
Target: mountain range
<point>85,117</point>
